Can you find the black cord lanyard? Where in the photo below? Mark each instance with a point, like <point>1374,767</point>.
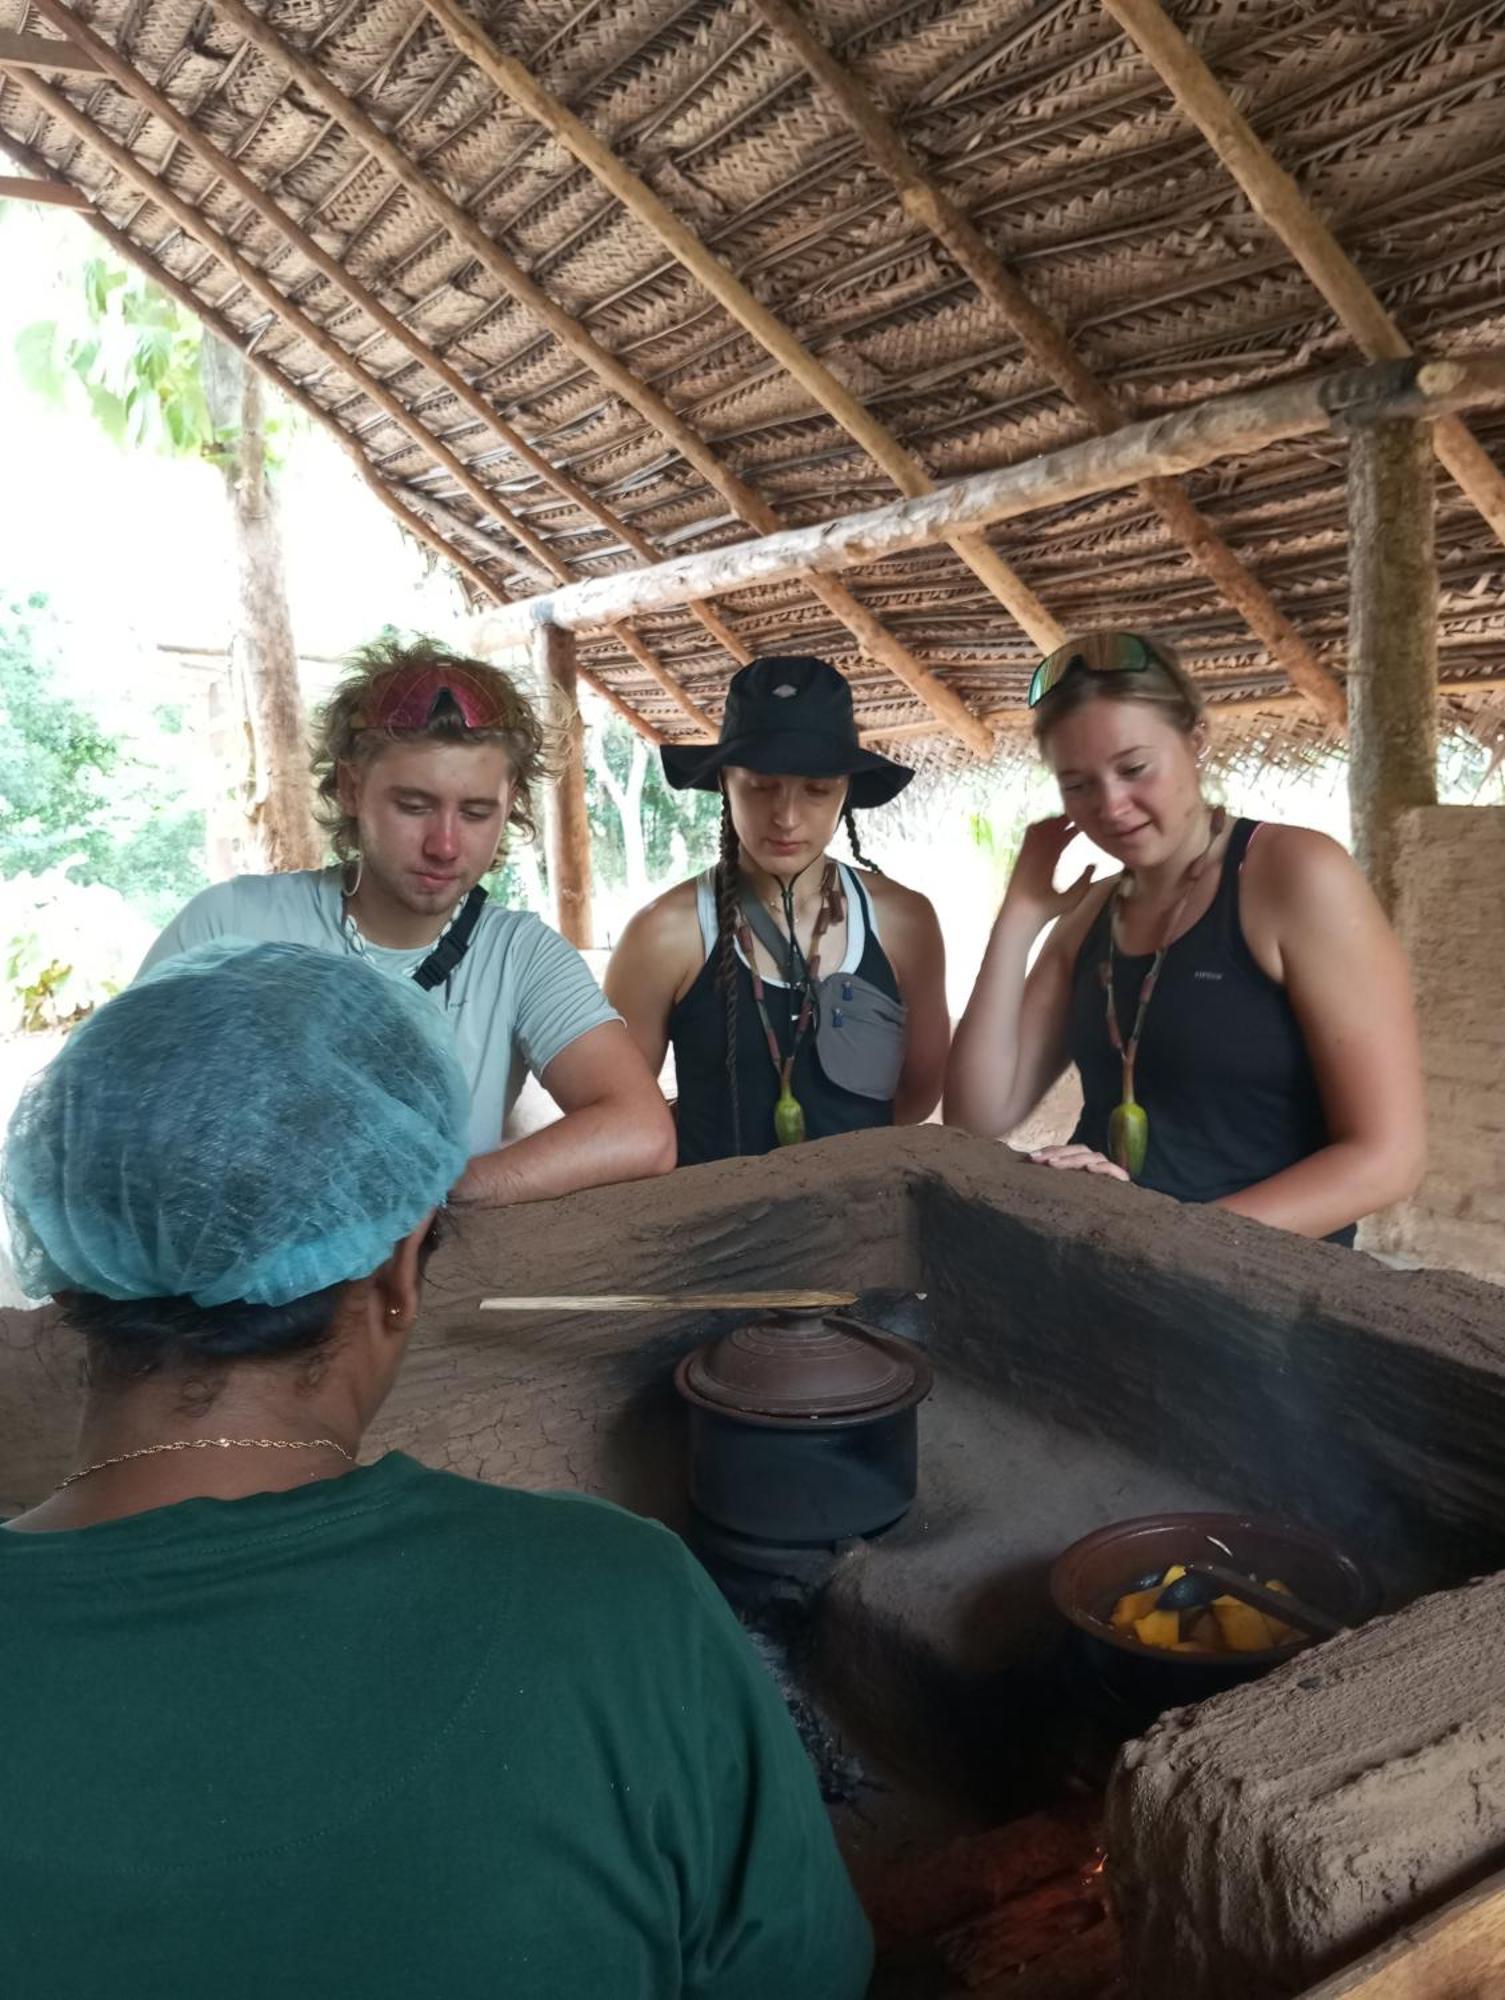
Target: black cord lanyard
<point>442,961</point>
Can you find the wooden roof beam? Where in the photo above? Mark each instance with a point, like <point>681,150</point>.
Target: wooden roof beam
<point>1158,447</point>
<point>1043,340</point>
<point>770,332</point>
<point>53,194</point>
<point>745,502</point>
<point>128,79</point>
<point>1285,210</point>
<point>131,252</point>
<point>37,52</point>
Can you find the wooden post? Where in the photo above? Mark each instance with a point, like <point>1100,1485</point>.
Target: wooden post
<point>569,834</point>
<point>1392,638</point>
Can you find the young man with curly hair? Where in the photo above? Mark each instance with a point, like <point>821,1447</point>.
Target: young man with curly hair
<point>423,761</point>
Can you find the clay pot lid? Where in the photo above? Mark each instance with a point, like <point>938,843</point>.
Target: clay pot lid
<point>801,1364</point>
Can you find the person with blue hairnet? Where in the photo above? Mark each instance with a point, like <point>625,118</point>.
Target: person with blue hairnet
<point>279,1722</point>
<point>423,764</point>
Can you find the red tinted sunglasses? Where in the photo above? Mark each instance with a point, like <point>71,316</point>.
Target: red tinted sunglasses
<point>414,697</point>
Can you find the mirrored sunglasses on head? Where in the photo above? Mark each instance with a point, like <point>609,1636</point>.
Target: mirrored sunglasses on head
<point>415,698</point>
<point>1093,653</point>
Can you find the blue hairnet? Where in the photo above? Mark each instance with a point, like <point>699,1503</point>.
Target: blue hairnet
<point>247,1122</point>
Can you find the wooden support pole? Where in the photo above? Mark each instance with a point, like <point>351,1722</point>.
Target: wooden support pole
<point>772,335</point>
<point>1392,639</point>
<point>928,204</point>
<point>1182,441</point>
<point>1281,205</point>
<point>745,502</point>
<point>569,834</point>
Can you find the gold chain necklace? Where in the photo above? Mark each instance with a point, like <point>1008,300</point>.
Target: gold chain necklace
<point>209,1444</point>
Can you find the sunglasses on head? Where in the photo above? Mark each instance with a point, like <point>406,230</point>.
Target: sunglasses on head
<point>1094,653</point>
<point>415,696</point>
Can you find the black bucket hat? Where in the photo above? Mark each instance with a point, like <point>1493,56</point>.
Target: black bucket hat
<point>789,716</point>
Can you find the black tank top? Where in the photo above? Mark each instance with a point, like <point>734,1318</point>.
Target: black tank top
<point>1222,1073</point>
<point>697,1034</point>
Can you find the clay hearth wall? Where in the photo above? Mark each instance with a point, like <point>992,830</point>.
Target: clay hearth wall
<point>1451,916</point>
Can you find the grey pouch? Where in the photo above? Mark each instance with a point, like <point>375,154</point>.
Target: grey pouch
<point>859,1035</point>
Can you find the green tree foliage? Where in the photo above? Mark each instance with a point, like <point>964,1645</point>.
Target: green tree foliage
<point>75,793</point>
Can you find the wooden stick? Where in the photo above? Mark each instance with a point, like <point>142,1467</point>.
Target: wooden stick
<point>675,1302</point>
<point>1282,206</point>
<point>1181,441</point>
<point>37,52</point>
<point>130,80</point>
<point>20,187</point>
<point>745,502</point>
<point>932,208</point>
<point>766,328</point>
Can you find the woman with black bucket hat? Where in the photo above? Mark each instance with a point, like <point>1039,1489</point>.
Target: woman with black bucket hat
<point>801,997</point>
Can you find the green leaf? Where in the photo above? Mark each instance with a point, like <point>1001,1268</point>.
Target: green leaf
<point>109,411</point>
<point>36,356</point>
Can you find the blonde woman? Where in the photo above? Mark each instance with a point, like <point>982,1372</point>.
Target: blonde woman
<point>1237,1006</point>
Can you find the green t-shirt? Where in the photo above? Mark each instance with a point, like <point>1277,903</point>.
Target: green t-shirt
<point>394,1734</point>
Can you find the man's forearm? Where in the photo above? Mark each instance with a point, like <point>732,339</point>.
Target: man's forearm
<point>594,1147</point>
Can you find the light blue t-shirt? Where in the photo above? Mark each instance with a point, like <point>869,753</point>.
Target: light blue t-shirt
<point>518,998</point>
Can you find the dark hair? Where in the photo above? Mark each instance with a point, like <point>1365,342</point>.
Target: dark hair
<point>131,1339</point>
<point>726,955</point>
<point>1164,685</point>
<point>849,819</point>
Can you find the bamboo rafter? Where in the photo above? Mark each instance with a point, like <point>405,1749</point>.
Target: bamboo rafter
<point>113,65</point>
<point>748,505</point>
<point>1281,205</point>
<point>911,478</point>
<point>928,204</point>
<point>132,253</point>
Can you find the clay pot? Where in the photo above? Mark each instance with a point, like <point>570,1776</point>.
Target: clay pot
<point>802,1428</point>
<point>1090,1577</point>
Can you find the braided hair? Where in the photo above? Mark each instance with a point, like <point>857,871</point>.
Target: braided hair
<point>727,896</point>
<point>849,820</point>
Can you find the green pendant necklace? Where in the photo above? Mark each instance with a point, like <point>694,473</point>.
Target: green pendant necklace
<point>788,1112</point>
<point>1129,1124</point>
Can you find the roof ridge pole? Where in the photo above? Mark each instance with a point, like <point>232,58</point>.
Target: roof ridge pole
<point>1043,339</point>
<point>128,79</point>
<point>745,502</point>
<point>516,82</point>
<point>1180,441</point>
<point>132,253</point>
<point>1285,210</point>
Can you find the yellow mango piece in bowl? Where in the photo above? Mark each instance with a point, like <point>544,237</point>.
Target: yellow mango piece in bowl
<point>1136,1604</point>
<point>1158,1628</point>
<point>1242,1628</point>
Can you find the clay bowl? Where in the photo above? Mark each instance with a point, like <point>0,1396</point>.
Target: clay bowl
<point>1089,1578</point>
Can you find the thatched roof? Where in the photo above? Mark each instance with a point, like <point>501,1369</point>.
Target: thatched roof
<point>1039,120</point>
